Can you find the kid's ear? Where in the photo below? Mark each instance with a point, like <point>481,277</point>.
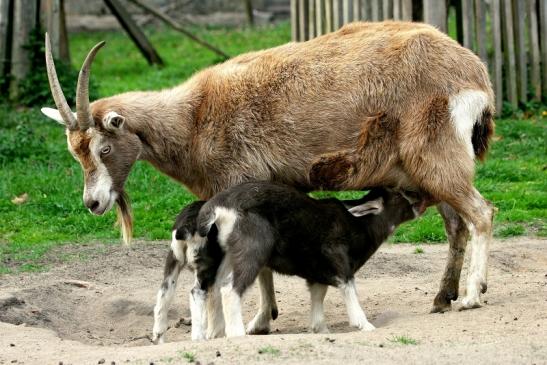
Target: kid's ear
<point>113,121</point>
<point>375,206</point>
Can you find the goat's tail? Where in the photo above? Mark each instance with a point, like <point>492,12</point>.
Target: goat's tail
<point>483,129</point>
<point>206,219</point>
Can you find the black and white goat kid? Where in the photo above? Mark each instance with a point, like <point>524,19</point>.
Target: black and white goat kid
<point>228,240</point>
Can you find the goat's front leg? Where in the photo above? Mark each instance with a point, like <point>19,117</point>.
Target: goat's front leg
<point>165,297</point>
<point>260,324</point>
<point>198,297</point>
<point>357,317</point>
<point>317,296</point>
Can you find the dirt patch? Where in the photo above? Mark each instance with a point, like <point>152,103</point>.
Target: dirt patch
<point>100,307</point>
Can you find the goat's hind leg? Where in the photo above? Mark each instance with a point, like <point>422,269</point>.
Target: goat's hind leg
<point>165,297</point>
<point>317,313</point>
<point>479,218</point>
<point>260,324</point>
<point>458,234</point>
<point>198,296</point>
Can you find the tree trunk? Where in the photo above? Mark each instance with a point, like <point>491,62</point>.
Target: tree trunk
<point>24,21</point>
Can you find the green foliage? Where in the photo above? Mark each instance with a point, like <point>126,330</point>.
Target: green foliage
<point>269,350</point>
<point>403,340</point>
<point>189,356</point>
<point>418,250</point>
<point>34,89</point>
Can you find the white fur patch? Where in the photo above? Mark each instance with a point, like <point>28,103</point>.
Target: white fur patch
<point>199,312</point>
<point>357,317</point>
<point>163,299</point>
<point>231,307</point>
<point>317,296</point>
<point>225,220</point>
<point>177,247</point>
<point>465,109</point>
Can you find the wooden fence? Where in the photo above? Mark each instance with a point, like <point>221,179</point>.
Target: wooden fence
<point>510,36</point>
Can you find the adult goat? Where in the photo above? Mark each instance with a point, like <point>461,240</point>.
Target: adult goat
<point>270,114</point>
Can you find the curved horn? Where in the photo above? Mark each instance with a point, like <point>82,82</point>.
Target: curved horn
<point>85,119</point>
<point>56,91</point>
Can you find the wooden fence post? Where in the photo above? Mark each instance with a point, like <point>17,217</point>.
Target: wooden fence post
<point>311,19</point>
<point>336,14</point>
<point>356,10</point>
<point>509,52</point>
<point>387,9</point>
<point>397,10</point>
<point>535,74</point>
<point>56,28</point>
<point>435,13</point>
<point>519,16</point>
<point>406,10</point>
<point>294,21</point>
<point>4,37</point>
<point>24,21</point>
<point>467,23</point>
<point>303,20</point>
<point>345,12</point>
<point>543,32</point>
<point>377,10</point>
<point>328,16</point>
<point>495,12</point>
<point>319,11</point>
<point>480,27</point>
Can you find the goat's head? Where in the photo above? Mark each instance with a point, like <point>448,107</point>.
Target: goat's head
<point>394,205</point>
<point>99,140</point>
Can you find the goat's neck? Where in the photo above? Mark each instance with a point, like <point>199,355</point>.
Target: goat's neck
<point>376,230</point>
<point>163,121</point>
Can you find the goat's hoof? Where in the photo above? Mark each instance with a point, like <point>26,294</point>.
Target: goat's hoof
<point>443,300</point>
<point>260,330</point>
<point>320,329</point>
<point>484,287</point>
<point>260,324</point>
<point>157,338</point>
<point>365,326</point>
<point>275,313</point>
<point>470,303</point>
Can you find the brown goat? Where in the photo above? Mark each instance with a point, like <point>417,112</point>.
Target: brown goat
<point>273,114</point>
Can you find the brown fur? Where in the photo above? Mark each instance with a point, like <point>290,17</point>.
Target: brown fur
<point>276,114</point>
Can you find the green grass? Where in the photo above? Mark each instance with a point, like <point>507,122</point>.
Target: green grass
<point>34,159</point>
<point>189,356</point>
<point>403,340</point>
<point>418,250</point>
<point>269,350</point>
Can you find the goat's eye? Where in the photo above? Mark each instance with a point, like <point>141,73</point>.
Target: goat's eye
<point>105,150</point>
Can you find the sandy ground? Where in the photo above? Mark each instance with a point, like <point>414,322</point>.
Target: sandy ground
<point>47,318</point>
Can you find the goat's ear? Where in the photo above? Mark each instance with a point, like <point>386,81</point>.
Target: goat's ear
<point>54,114</point>
<point>375,206</point>
<point>113,121</point>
